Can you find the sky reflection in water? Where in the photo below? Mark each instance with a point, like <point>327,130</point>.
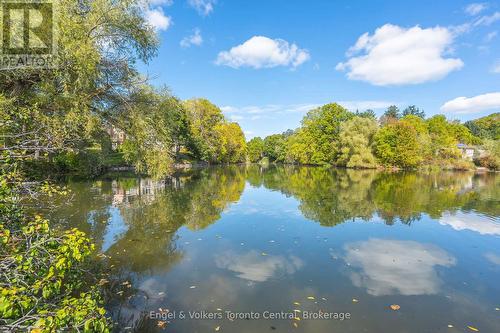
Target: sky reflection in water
<point>254,239</point>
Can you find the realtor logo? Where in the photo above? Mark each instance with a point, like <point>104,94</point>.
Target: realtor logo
<point>28,33</point>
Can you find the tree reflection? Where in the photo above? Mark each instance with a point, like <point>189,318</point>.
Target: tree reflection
<point>332,196</point>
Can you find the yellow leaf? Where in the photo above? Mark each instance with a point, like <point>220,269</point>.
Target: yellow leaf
<point>296,303</point>
<point>310,297</point>
<point>295,325</point>
<point>473,328</point>
<point>395,307</point>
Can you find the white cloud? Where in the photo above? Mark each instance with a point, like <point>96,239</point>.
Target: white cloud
<point>263,52</point>
<point>203,7</point>
<point>487,20</point>
<point>392,267</point>
<point>475,8</point>
<point>194,39</point>
<point>477,223</point>
<point>397,56</point>
<point>478,103</point>
<point>157,19</point>
<point>258,268</point>
<point>253,112</point>
<point>160,2</point>
<point>493,258</point>
<point>363,105</point>
<point>490,36</point>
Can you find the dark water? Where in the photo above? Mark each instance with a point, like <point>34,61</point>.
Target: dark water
<point>250,240</point>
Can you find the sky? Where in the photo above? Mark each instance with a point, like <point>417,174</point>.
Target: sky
<point>266,63</point>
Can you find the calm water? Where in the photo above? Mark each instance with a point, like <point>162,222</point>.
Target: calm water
<point>247,239</point>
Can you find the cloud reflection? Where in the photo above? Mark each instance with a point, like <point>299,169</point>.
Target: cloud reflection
<point>391,267</point>
<point>254,266</point>
<point>474,222</point>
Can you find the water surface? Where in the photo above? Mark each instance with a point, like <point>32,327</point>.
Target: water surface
<point>250,240</point>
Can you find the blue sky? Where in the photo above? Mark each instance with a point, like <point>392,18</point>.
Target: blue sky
<point>266,63</point>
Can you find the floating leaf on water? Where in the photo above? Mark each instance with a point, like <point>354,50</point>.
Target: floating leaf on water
<point>395,307</point>
<point>295,324</point>
<point>296,303</point>
<point>161,324</point>
<point>219,309</point>
<point>161,293</point>
<point>264,253</point>
<point>497,309</point>
<point>310,297</point>
<point>102,282</point>
<point>355,300</point>
<point>324,299</point>
<point>192,287</point>
<point>450,325</point>
<point>472,328</point>
<point>217,329</point>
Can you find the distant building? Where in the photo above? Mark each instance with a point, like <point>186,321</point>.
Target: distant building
<point>470,152</point>
<point>117,136</point>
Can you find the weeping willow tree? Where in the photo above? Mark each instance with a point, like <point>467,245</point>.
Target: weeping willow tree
<point>45,283</point>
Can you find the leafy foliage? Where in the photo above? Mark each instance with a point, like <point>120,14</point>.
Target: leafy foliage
<point>355,143</point>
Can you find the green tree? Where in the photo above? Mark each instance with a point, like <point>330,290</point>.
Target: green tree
<point>255,149</point>
<point>274,147</point>
<point>414,111</point>
<point>355,143</point>
<point>368,113</point>
<point>390,115</point>
<point>43,113</point>
<point>231,147</point>
<point>204,117</point>
<point>315,141</point>
<point>486,127</point>
<point>397,144</point>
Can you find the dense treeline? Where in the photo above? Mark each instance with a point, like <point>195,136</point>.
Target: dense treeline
<point>332,135</point>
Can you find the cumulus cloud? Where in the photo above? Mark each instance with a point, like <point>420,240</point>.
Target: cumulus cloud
<point>490,101</point>
<point>194,39</point>
<point>255,267</point>
<point>397,56</point>
<point>392,267</point>
<point>473,222</point>
<point>475,8</point>
<point>157,19</point>
<point>203,7</point>
<point>263,52</point>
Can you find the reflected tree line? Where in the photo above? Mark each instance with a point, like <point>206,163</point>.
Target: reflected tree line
<point>332,196</point>
<point>150,210</point>
<point>134,221</point>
